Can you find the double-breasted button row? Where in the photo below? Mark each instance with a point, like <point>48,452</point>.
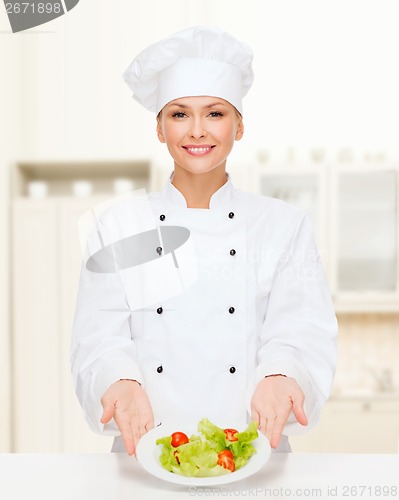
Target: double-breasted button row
<point>162,217</point>
<point>231,310</point>
<point>232,369</point>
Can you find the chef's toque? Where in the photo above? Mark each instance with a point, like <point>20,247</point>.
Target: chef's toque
<point>199,61</point>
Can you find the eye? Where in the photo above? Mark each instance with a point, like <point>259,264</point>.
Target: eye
<point>215,114</point>
<point>179,114</point>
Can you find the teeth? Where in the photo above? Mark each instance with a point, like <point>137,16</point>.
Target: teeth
<point>198,150</point>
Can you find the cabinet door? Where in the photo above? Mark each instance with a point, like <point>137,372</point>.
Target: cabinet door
<point>366,234</point>
<point>368,426</point>
<point>36,341</point>
<point>46,265</point>
<point>366,243</point>
<point>353,426</point>
<point>76,434</point>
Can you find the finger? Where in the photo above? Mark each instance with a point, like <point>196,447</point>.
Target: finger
<point>299,412</point>
<point>277,430</point>
<point>270,427</point>
<point>108,413</point>
<point>130,446</point>
<point>135,429</point>
<point>146,425</point>
<point>127,436</point>
<point>263,424</point>
<point>150,424</point>
<point>142,428</point>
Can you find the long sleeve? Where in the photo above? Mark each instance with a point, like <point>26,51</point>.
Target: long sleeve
<point>102,347</point>
<point>298,336</point>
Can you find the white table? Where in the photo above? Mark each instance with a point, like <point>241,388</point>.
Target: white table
<point>118,477</point>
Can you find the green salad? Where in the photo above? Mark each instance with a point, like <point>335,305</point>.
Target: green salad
<point>213,452</point>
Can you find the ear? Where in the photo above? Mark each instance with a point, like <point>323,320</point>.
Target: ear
<point>240,129</point>
<point>159,131</point>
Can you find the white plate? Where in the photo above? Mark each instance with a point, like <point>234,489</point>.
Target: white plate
<point>148,452</point>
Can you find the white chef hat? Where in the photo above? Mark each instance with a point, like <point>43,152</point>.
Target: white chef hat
<point>199,61</point>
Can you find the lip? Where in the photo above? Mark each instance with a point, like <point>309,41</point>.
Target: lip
<point>198,149</point>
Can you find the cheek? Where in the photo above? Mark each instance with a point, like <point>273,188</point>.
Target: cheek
<point>227,134</point>
<point>173,134</point>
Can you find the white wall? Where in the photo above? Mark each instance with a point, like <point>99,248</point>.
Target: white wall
<point>325,75</point>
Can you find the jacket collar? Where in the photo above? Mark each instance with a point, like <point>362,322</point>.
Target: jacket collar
<point>220,199</point>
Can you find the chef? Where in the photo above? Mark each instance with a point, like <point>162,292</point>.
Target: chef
<point>233,321</point>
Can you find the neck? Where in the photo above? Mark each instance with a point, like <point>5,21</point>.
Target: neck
<point>197,189</point>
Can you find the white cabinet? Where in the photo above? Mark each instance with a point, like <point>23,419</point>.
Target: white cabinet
<point>358,425</point>
<point>355,214</point>
<point>36,336</point>
<point>46,263</point>
<point>365,237</point>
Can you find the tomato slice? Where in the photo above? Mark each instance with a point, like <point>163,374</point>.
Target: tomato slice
<point>226,453</point>
<point>226,461</point>
<point>179,438</point>
<point>230,434</point>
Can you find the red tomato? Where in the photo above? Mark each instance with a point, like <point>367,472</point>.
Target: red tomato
<point>179,438</point>
<point>226,453</point>
<point>226,461</point>
<point>230,434</point>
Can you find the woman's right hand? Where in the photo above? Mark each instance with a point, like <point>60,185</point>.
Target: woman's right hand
<point>127,403</point>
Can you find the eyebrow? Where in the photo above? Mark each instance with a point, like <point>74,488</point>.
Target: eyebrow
<point>184,106</point>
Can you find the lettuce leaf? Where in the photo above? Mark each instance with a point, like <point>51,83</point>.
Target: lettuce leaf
<point>243,449</point>
<point>213,434</point>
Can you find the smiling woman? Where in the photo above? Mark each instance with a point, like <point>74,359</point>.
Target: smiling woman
<point>249,338</point>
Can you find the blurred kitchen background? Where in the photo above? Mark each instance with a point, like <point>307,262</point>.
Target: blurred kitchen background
<point>321,132</point>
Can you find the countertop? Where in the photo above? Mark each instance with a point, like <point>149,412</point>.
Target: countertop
<point>114,476</point>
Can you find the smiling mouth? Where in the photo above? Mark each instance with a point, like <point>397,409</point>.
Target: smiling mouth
<point>198,150</point>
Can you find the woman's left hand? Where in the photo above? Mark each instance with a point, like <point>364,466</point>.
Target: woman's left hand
<point>273,400</point>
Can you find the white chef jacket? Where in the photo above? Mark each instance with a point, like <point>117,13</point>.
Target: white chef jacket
<point>259,306</point>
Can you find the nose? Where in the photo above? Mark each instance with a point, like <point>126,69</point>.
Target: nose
<point>198,130</point>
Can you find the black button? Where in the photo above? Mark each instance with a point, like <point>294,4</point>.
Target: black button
<point>231,310</point>
<point>232,369</point>
<point>231,215</point>
<point>162,217</point>
<point>159,310</point>
<point>232,251</point>
<point>159,250</point>
<point>160,369</point>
